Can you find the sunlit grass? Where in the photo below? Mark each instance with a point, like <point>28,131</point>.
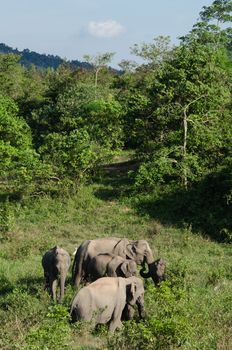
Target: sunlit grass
<point>199,271</point>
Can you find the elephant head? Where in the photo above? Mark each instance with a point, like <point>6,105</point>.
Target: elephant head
<point>128,268</point>
<point>140,252</point>
<point>156,270</point>
<point>134,296</point>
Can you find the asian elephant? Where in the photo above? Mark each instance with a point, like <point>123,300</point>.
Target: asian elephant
<point>110,265</point>
<point>104,300</point>
<point>55,263</point>
<point>138,250</point>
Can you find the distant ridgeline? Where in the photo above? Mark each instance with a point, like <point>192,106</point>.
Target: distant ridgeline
<point>29,58</point>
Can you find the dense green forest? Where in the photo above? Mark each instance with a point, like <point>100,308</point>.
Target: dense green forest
<point>62,130</point>
<point>174,111</point>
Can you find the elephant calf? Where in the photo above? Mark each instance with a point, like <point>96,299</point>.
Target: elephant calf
<point>105,299</point>
<point>110,265</point>
<point>55,262</point>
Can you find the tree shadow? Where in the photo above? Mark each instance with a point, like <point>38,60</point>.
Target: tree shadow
<point>32,285</point>
<point>203,208</point>
<point>6,286</point>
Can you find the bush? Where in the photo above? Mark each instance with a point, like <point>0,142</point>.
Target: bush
<point>52,333</point>
<point>167,326</point>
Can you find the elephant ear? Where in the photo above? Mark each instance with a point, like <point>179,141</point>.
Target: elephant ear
<point>128,268</point>
<point>125,269</point>
<point>144,249</point>
<point>136,251</point>
<point>132,266</point>
<point>120,248</point>
<point>130,251</point>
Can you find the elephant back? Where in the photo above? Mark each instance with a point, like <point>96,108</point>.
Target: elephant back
<point>120,247</point>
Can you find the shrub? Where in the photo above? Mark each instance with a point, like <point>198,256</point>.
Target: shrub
<point>167,326</point>
<point>52,333</point>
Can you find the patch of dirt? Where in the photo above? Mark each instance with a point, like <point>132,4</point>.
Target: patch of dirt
<point>121,167</point>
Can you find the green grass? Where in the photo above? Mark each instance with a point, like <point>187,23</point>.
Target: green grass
<point>193,310</point>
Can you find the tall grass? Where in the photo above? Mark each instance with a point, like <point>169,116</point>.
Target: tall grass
<point>192,310</point>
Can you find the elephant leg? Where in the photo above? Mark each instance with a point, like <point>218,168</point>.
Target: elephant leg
<point>128,313</point>
<point>46,281</point>
<point>111,272</point>
<point>77,280</point>
<point>141,311</point>
<point>115,324</point>
<point>116,319</point>
<point>62,284</point>
<point>54,283</point>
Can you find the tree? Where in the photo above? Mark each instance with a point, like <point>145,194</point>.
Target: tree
<point>11,76</point>
<point>154,53</point>
<point>219,10</point>
<point>98,62</point>
<point>187,131</point>
<point>212,27</point>
<point>73,156</point>
<point>19,163</point>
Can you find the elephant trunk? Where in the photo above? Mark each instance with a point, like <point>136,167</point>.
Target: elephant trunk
<point>156,270</point>
<point>149,258</point>
<point>143,273</point>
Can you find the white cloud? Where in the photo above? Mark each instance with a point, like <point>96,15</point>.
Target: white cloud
<point>107,29</point>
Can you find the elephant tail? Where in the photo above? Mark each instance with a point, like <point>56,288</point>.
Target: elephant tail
<point>77,267</point>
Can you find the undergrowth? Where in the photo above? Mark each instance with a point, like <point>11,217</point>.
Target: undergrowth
<point>191,310</point>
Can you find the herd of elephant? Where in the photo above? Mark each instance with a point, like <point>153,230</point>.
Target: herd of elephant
<point>108,267</point>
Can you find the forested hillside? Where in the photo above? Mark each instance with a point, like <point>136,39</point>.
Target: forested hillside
<point>167,124</point>
<point>43,61</point>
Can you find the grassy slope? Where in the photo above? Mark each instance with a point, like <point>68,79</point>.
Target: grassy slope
<point>201,269</point>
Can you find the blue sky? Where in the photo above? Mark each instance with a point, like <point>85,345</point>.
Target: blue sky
<point>73,28</point>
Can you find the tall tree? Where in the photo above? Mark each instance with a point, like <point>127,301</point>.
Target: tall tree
<point>11,76</point>
<point>98,62</point>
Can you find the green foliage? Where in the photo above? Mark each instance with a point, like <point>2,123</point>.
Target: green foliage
<point>156,52</point>
<point>70,105</point>
<point>104,120</point>
<point>191,310</point>
<point>6,218</point>
<point>167,327</point>
<point>206,207</point>
<point>11,76</point>
<point>41,61</point>
<point>152,174</point>
<point>185,129</point>
<point>135,106</point>
<point>78,107</point>
<point>52,333</point>
<point>220,10</point>
<point>174,111</point>
<point>19,162</point>
<point>72,155</point>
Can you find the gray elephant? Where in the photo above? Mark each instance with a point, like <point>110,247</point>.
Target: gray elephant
<point>110,265</point>
<point>138,250</point>
<point>104,300</point>
<point>55,263</point>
